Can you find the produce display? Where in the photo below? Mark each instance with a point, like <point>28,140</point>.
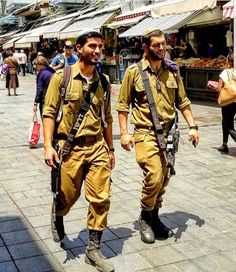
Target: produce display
<point>218,63</point>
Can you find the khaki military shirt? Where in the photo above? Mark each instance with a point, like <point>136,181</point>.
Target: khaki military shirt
<point>164,86</point>
<point>75,93</point>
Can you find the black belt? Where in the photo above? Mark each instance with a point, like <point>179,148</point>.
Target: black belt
<point>83,140</point>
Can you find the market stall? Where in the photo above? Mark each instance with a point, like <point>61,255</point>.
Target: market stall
<point>196,72</point>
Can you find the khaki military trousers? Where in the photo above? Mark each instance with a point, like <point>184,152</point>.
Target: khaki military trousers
<point>151,161</point>
<point>88,163</point>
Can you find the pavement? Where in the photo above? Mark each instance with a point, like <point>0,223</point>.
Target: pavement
<point>199,204</point>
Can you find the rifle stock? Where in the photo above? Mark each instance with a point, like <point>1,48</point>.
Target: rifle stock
<point>172,146</point>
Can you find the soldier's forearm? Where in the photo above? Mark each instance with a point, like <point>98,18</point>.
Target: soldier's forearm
<point>123,117</point>
<point>48,129</point>
<point>108,135</point>
<point>188,116</point>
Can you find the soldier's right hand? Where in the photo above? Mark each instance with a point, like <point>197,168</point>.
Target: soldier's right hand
<point>51,156</point>
<point>127,142</point>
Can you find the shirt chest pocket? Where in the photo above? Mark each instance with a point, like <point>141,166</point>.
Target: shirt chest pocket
<point>72,102</point>
<point>140,93</point>
<point>171,83</point>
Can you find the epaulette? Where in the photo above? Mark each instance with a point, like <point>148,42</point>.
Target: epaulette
<point>171,65</point>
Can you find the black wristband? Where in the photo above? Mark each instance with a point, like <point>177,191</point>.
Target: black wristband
<point>194,127</point>
<point>111,149</point>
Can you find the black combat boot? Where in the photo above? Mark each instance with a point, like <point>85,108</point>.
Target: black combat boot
<point>159,229</point>
<point>145,227</point>
<point>93,254</point>
<point>57,227</point>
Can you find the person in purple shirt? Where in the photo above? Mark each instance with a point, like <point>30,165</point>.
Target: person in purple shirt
<point>43,78</point>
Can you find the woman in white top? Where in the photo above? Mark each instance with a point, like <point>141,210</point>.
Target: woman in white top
<point>228,111</point>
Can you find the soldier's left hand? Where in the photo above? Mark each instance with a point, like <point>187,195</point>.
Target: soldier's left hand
<point>193,136</point>
<point>112,159</point>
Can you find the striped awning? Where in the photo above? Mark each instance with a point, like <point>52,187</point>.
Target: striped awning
<point>168,24</point>
<point>34,36</point>
<point>229,10</point>
<point>129,19</point>
<point>54,30</point>
<point>95,23</point>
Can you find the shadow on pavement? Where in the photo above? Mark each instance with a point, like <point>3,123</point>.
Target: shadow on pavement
<point>21,249</point>
<point>181,219</point>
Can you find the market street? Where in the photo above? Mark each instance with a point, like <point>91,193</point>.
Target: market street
<point>199,204</point>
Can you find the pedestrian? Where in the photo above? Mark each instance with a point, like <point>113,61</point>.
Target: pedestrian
<point>92,153</point>
<point>229,111</point>
<point>168,54</point>
<point>66,58</point>
<point>22,58</point>
<point>12,81</point>
<point>44,73</point>
<point>166,87</point>
<point>185,49</point>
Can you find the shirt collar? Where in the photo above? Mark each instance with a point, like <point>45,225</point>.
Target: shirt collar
<point>76,72</point>
<point>147,66</point>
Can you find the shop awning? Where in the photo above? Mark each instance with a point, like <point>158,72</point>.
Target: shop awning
<point>34,36</point>
<point>54,29</point>
<point>95,23</point>
<point>229,10</point>
<point>168,24</point>
<point>183,6</point>
<point>22,43</point>
<point>10,43</point>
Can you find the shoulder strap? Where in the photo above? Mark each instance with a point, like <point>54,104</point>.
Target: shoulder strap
<point>63,87</point>
<point>84,108</point>
<point>153,110</point>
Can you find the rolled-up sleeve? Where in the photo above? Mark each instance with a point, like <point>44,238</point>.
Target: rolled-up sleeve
<point>182,100</point>
<point>52,98</point>
<point>124,99</point>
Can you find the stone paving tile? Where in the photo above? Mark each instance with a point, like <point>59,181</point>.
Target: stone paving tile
<point>18,237</point>
<point>8,267</point>
<point>43,263</point>
<point>28,249</point>
<point>164,268</point>
<point>4,255</point>
<point>13,224</point>
<point>129,263</point>
<point>225,259</point>
<point>162,256</point>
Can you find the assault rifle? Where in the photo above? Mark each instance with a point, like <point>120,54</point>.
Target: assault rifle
<point>172,146</point>
<point>55,183</point>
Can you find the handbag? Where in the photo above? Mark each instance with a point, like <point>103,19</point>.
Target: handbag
<point>227,94</point>
<point>5,69</point>
<point>34,131</point>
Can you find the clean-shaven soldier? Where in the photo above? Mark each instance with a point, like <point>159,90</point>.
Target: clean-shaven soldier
<point>167,90</point>
<point>92,155</point>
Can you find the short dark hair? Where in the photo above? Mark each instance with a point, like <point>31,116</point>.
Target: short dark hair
<point>82,39</point>
<point>146,38</point>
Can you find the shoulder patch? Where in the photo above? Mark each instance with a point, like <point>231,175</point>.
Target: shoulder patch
<point>171,65</point>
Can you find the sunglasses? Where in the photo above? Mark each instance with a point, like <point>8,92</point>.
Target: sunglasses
<point>69,47</point>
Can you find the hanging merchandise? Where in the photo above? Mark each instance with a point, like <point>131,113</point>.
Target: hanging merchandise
<point>229,38</point>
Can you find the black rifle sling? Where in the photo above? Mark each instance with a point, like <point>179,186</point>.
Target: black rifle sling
<point>84,108</point>
<point>153,109</point>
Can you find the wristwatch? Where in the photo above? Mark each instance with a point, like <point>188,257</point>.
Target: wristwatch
<point>194,127</point>
<point>111,149</point>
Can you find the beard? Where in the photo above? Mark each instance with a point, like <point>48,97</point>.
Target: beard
<point>88,61</point>
<point>154,56</point>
